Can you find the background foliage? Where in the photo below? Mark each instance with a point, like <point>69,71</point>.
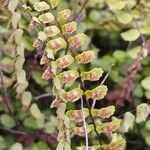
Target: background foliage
<point>119,36</point>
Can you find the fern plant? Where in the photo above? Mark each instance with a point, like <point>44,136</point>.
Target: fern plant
<point>68,66</point>
<point>63,60</point>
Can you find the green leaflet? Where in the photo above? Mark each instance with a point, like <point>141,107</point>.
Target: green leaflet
<point>130,35</point>
<point>7,121</point>
<point>64,15</point>
<point>133,53</point>
<point>77,41</point>
<point>119,144</point>
<point>41,6</point>
<point>35,111</point>
<point>56,44</point>
<point>46,18</point>
<point>103,113</point>
<point>65,61</point>
<point>68,76</point>
<point>85,57</point>
<point>15,19</point>
<point>54,3</point>
<point>145,29</point>
<point>13,5</point>
<point>51,31</point>
<point>146,83</point>
<point>8,65</point>
<point>16,146</point>
<point>26,98</point>
<point>92,75</point>
<point>142,112</point>
<point>69,28</point>
<point>128,122</point>
<point>18,36</point>
<point>76,115</point>
<point>124,17</point>
<point>73,95</point>
<point>42,36</point>
<point>116,4</point>
<point>98,93</point>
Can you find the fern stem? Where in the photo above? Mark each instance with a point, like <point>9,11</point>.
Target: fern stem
<point>85,126</point>
<point>102,82</point>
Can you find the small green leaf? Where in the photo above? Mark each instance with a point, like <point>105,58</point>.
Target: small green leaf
<point>77,41</point>
<point>21,87</point>
<point>56,44</point>
<point>68,76</point>
<point>65,61</point>
<point>46,18</point>
<point>77,115</point>
<point>85,57</point>
<point>10,50</point>
<point>73,95</point>
<point>16,146</point>
<point>7,81</point>
<point>117,145</point>
<point>19,63</point>
<point>20,50</point>
<point>51,31</point>
<point>18,36</point>
<point>64,15</point>
<point>7,65</point>
<point>133,53</point>
<point>94,15</point>
<point>27,42</point>
<point>146,83</point>
<point>98,93</point>
<point>142,112</point>
<point>92,75</point>
<point>111,126</point>
<point>124,17</point>
<point>147,94</point>
<point>30,123</point>
<point>42,36</point>
<point>15,19</point>
<point>41,6</point>
<point>35,111</point>
<point>69,28</point>
<point>103,113</point>
<point>13,5</point>
<point>50,54</point>
<point>26,98</point>
<point>119,55</point>
<point>21,76</point>
<point>145,29</point>
<point>130,35</point>
<point>7,121</point>
<point>2,143</point>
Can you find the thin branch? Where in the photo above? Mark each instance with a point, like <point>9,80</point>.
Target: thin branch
<point>102,82</point>
<point>28,138</point>
<point>84,125</point>
<point>11,131</point>
<point>42,96</point>
<point>83,6</point>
